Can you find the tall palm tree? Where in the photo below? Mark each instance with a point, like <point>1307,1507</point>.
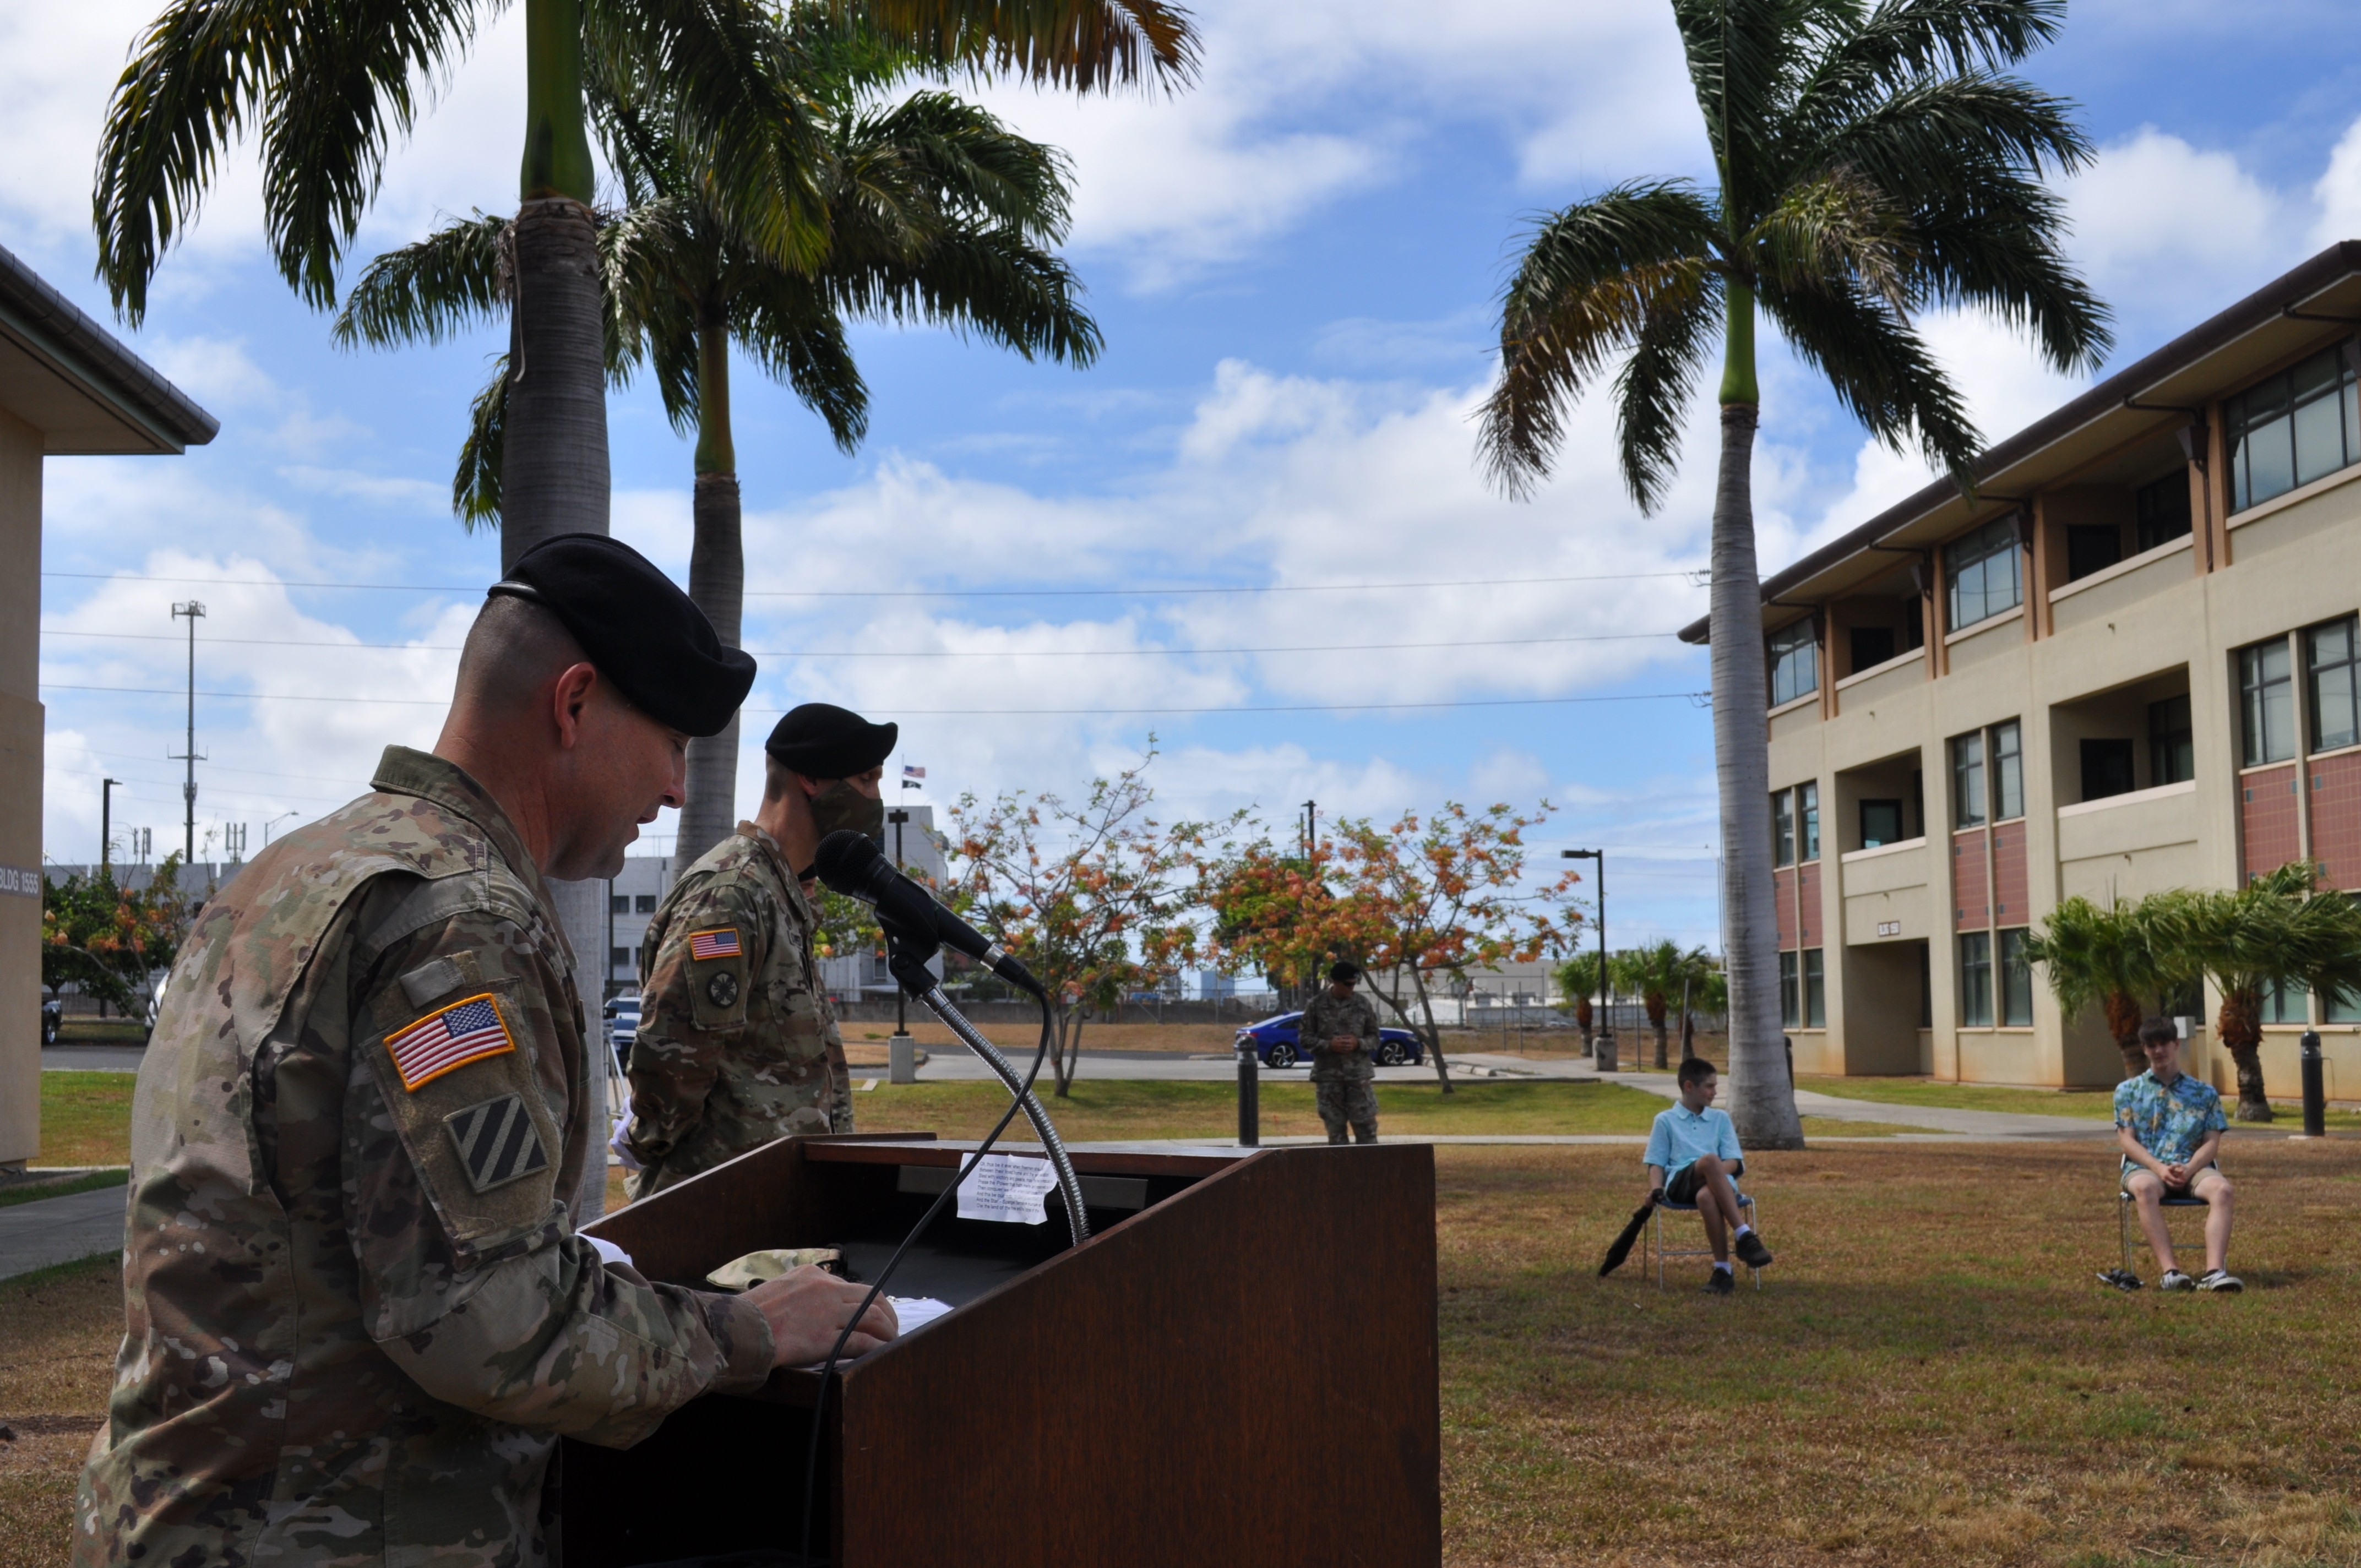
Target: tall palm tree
<point>934,211</point>
<point>2274,931</point>
<point>326,84</point>
<point>2106,957</point>
<point>1870,161</point>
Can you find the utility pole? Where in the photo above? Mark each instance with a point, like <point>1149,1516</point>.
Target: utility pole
<point>107,821</point>
<point>901,1051</point>
<point>1311,829</point>
<point>195,612</point>
<point>1602,1054</point>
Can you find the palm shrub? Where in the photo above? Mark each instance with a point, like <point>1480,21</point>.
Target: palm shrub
<point>1870,161</point>
<point>2106,957</point>
<point>1578,982</point>
<point>2274,931</point>
<point>1656,974</point>
<point>935,212</point>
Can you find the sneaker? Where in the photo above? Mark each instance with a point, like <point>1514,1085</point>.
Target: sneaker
<point>2175,1280</point>
<point>2121,1279</point>
<point>2220,1279</point>
<point>1720,1283</point>
<point>1751,1252</point>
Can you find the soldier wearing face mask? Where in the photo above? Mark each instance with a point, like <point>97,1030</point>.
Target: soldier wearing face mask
<point>737,1045</point>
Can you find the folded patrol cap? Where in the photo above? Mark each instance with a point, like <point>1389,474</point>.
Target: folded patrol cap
<point>821,741</point>
<point>638,627</point>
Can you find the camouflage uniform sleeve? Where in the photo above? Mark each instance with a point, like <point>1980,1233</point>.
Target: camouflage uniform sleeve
<point>839,1073</point>
<point>472,1280</point>
<point>1367,1022</point>
<point>691,1010</point>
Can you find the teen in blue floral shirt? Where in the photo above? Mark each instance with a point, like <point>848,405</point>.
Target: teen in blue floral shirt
<point>2171,1128</point>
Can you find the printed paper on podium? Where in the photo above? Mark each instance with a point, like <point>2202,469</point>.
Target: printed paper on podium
<point>1008,1188</point>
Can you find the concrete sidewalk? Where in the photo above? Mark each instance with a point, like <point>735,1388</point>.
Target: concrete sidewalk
<point>45,1232</point>
<point>1981,1125</point>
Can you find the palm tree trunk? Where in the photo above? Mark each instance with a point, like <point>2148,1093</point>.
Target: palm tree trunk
<point>1762,1102</point>
<point>2124,1022</point>
<point>717,584</point>
<point>2240,1025</point>
<point>553,476</point>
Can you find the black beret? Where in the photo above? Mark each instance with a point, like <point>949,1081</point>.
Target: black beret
<point>1343,969</point>
<point>821,741</point>
<point>638,627</point>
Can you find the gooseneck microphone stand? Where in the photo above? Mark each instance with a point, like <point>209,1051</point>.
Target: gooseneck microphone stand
<point>907,958</point>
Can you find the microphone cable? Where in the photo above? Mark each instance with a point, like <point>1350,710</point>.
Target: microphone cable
<point>836,1351</point>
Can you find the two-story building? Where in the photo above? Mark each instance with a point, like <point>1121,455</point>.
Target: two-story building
<point>2129,664</point>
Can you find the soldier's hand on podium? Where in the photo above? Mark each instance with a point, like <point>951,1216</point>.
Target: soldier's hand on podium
<point>808,1308</point>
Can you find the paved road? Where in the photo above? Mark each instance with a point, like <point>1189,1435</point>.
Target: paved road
<point>50,1231</point>
<point>91,1059</point>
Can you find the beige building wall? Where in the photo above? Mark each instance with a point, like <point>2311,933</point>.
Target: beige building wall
<point>20,791</point>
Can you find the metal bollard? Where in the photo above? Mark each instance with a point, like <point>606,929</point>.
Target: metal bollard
<point>2315,1096</point>
<point>1249,1096</point>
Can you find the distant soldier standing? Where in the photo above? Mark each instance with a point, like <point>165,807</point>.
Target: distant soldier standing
<point>357,1316</point>
<point>737,1045</point>
<point>1340,1029</point>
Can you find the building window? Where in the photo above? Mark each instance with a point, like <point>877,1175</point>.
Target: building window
<point>2091,547</point>
<point>2008,772</point>
<point>1807,821</point>
<point>1985,574</point>
<point>619,903</point>
<point>2107,769</point>
<point>2171,742</point>
<point>1794,663</point>
<point>1872,646</point>
<point>1790,1002</point>
<point>2333,661</point>
<point>2016,981</point>
<point>1926,986</point>
<point>1783,829</point>
<point>1968,781</point>
<point>2266,703</point>
<point>1975,980</point>
<point>618,957</point>
<point>1816,991</point>
<point>2286,1004</point>
<point>2294,428</point>
<point>647,904</point>
<point>1881,823</point>
<point>2162,510</point>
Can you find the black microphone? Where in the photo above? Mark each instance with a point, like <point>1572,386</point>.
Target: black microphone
<point>851,864</point>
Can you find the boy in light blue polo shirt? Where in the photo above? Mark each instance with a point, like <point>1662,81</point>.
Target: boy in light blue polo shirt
<point>1692,1158</point>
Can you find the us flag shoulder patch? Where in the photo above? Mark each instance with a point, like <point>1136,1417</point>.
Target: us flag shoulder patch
<point>447,1039</point>
<point>496,1142</point>
<point>719,943</point>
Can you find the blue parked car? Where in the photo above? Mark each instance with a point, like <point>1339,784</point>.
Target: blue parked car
<point>1277,1044</point>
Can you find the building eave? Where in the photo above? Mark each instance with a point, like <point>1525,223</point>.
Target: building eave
<point>75,382</point>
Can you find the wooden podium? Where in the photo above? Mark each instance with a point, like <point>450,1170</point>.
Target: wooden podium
<point>1238,1367</point>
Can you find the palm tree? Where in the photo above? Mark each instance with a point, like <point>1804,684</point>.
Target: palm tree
<point>324,86</point>
<point>935,212</point>
<point>1578,982</point>
<point>1656,974</point>
<point>2103,956</point>
<point>1870,161</point>
<point>2274,931</point>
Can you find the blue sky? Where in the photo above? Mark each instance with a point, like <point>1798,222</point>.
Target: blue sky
<point>1294,264</point>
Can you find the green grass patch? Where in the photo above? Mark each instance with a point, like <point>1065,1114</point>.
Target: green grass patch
<point>85,1118</point>
<point>33,1192</point>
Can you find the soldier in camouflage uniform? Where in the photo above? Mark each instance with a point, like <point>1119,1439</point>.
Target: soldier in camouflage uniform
<point>357,1316</point>
<point>1340,1030</point>
<point>737,1044</point>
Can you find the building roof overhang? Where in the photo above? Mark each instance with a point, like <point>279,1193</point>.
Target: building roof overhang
<point>74,381</point>
<point>2157,393</point>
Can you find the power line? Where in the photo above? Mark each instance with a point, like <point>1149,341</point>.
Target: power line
<point>945,653</point>
<point>971,712</point>
<point>1692,575</point>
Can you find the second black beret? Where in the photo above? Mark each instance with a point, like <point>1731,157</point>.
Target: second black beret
<point>638,627</point>
<point>821,741</point>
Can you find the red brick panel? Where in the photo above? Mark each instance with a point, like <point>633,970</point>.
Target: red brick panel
<point>1967,881</point>
<point>2267,833</point>
<point>2009,895</point>
<point>1807,895</point>
<point>2336,818</point>
<point>1783,887</point>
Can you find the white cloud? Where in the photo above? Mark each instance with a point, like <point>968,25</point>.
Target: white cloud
<point>2161,226</point>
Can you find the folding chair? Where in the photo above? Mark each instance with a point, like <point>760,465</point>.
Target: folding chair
<point>1652,1238</point>
<point>2124,1205</point>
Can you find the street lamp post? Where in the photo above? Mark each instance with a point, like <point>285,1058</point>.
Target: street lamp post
<point>1602,1046</point>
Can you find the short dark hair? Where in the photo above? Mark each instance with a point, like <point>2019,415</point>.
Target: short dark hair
<point>1696,1069</point>
<point>2156,1031</point>
<point>1344,971</point>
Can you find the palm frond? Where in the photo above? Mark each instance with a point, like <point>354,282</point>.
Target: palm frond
<point>1582,293</point>
<point>971,163</point>
<point>788,327</point>
<point>1837,228</point>
<point>1747,58</point>
<point>2002,248</point>
<point>1088,45</point>
<point>992,283</point>
<point>438,288</point>
<point>1657,380</point>
<point>1902,43</point>
<point>475,484</point>
<point>1881,371</point>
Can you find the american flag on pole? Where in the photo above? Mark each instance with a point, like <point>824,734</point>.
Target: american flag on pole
<point>722,943</point>
<point>447,1039</point>
<point>911,773</point>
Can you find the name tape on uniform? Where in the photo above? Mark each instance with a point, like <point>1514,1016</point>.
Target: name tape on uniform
<point>447,1039</point>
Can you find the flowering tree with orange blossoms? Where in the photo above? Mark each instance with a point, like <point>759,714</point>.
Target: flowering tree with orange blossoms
<point>1439,899</point>
<point>1278,915</point>
<point>108,938</point>
<point>1093,896</point>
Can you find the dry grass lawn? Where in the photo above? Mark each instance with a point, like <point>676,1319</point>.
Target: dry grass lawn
<point>1931,1375</point>
<point>85,1118</point>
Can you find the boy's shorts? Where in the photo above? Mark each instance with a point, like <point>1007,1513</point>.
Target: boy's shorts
<point>1683,1188</point>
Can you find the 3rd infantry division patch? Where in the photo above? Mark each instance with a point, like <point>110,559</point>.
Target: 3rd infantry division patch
<point>496,1141</point>
<point>447,1039</point>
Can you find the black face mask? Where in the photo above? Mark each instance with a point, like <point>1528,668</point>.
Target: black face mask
<point>841,806</point>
